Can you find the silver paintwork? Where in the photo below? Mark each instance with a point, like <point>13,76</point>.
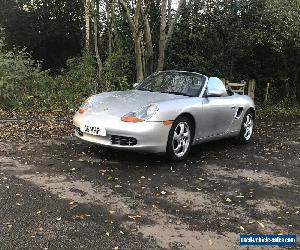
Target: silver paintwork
<point>215,117</point>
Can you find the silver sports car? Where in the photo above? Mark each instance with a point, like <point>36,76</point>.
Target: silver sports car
<point>167,112</point>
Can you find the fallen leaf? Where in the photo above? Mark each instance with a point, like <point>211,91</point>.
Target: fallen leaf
<point>81,217</point>
<point>262,225</point>
<point>72,207</point>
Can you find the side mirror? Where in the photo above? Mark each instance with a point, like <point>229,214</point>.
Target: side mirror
<point>215,93</point>
<point>136,84</point>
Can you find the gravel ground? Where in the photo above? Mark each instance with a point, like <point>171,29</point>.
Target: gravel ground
<point>57,192</point>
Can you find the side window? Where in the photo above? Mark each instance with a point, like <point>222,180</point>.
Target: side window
<point>215,83</point>
<point>195,84</point>
<point>199,80</point>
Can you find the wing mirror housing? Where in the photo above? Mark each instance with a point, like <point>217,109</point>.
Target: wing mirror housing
<point>215,93</point>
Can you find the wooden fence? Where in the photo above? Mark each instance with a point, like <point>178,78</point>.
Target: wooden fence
<point>242,88</point>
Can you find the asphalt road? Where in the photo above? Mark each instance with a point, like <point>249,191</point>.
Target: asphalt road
<point>57,192</point>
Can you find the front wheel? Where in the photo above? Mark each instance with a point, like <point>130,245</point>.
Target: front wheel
<point>247,128</point>
<point>180,139</point>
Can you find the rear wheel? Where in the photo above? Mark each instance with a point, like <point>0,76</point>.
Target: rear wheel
<point>180,139</point>
<point>247,128</point>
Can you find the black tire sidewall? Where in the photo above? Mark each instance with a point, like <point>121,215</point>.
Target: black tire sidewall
<point>170,151</point>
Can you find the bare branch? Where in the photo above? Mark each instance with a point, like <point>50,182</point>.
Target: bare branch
<point>137,13</point>
<point>172,23</point>
<point>129,19</point>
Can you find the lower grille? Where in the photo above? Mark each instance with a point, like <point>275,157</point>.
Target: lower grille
<point>78,131</point>
<point>123,140</point>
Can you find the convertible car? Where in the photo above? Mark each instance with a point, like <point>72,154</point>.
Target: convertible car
<point>168,112</point>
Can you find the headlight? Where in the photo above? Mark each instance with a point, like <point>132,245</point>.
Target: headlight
<point>88,103</point>
<point>141,115</point>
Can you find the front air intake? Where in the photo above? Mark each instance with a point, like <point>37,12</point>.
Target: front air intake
<point>123,140</point>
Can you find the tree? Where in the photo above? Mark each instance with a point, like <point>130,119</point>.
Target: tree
<point>134,24</point>
<point>87,17</point>
<point>165,35</point>
<point>52,31</point>
<point>95,5</point>
<point>148,65</point>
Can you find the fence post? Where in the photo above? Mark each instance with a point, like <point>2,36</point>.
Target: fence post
<point>244,87</point>
<point>267,93</point>
<point>251,88</point>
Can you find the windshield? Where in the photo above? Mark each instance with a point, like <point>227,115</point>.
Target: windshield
<point>173,82</point>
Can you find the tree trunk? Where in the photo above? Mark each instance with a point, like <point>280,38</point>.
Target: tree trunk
<point>162,35</point>
<point>99,62</point>
<point>136,33</point>
<point>148,46</point>
<point>110,16</point>
<point>164,38</point>
<point>138,57</point>
<point>286,78</point>
<point>297,85</point>
<point>169,11</point>
<point>173,22</point>
<point>87,5</point>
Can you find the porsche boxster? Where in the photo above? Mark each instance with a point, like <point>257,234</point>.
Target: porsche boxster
<point>167,112</point>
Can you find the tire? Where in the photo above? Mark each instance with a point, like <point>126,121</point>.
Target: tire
<point>247,126</point>
<point>180,139</point>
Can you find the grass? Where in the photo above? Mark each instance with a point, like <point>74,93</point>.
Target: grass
<point>280,109</point>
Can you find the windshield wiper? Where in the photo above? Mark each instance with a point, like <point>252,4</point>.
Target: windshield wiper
<point>175,93</point>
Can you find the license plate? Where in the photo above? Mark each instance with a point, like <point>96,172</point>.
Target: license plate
<point>93,130</point>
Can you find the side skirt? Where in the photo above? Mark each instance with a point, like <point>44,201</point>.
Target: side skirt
<point>216,137</point>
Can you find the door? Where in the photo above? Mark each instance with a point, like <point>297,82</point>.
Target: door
<point>218,110</point>
<point>218,114</point>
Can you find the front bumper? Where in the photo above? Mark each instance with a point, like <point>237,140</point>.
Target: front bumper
<point>143,136</point>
